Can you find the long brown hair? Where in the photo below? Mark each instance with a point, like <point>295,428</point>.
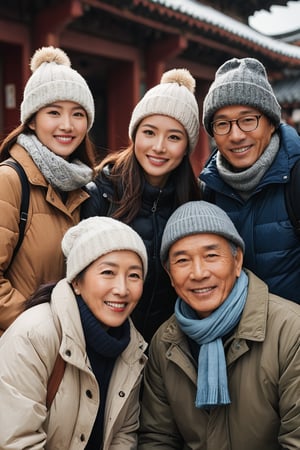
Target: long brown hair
<point>127,177</point>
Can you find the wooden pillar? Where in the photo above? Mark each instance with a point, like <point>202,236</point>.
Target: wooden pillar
<point>203,148</point>
<point>159,54</point>
<point>52,20</point>
<point>201,152</point>
<point>123,94</point>
<point>15,56</point>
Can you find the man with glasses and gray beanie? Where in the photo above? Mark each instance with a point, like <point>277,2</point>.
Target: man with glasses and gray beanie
<point>248,172</point>
<point>223,371</point>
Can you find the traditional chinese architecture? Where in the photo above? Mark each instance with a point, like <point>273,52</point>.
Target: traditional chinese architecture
<point>122,47</point>
<point>287,89</point>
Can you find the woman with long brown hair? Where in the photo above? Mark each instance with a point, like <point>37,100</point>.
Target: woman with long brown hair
<point>53,147</point>
<point>143,184</point>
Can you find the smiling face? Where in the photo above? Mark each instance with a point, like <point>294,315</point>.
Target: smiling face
<point>242,149</point>
<point>61,127</point>
<point>160,145</point>
<point>112,286</point>
<point>203,271</point>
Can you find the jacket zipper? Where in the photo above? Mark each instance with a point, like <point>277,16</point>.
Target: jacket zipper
<point>155,203</point>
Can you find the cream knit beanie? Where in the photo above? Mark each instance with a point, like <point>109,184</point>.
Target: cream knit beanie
<point>93,237</point>
<point>53,80</point>
<point>173,97</point>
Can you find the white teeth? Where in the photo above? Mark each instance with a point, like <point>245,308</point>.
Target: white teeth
<point>201,291</point>
<point>239,150</point>
<point>66,139</point>
<point>157,159</point>
<point>115,305</point>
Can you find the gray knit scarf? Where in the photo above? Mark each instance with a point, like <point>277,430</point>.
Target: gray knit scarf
<point>246,180</point>
<point>61,174</point>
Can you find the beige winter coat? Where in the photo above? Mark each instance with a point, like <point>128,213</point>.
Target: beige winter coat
<point>40,258</point>
<point>28,351</point>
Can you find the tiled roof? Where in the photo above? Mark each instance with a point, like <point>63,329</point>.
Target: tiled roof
<point>210,16</point>
<point>287,91</point>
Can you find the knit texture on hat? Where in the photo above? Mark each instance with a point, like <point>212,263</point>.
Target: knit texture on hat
<point>173,97</point>
<point>241,82</point>
<point>96,236</point>
<point>198,217</point>
<point>53,80</point>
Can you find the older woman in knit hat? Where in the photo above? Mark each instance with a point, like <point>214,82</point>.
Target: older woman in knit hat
<point>143,184</point>
<point>223,371</point>
<point>71,364</point>
<point>53,148</point>
<point>249,171</point>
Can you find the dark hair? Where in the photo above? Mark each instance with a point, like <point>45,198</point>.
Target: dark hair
<point>127,177</point>
<point>41,295</point>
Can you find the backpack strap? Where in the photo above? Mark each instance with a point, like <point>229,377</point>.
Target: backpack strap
<point>292,197</point>
<point>24,200</point>
<point>55,380</point>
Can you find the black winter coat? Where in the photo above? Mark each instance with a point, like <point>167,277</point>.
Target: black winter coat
<point>158,299</point>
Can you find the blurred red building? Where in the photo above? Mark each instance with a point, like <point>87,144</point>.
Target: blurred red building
<point>122,47</point>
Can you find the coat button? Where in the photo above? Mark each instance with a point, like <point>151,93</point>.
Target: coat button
<point>237,345</point>
<point>82,437</point>
<point>89,394</point>
<point>121,394</point>
<point>68,353</point>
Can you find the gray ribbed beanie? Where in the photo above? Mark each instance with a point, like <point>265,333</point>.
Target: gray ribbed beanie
<point>93,237</point>
<point>53,80</point>
<point>198,217</point>
<point>173,97</point>
<point>241,82</point>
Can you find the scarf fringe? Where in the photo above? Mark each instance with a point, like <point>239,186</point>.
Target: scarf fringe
<point>212,397</point>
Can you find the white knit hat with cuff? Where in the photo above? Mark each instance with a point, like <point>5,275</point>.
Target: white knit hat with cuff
<point>96,236</point>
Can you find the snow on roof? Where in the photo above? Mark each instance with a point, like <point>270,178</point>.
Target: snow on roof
<point>207,14</point>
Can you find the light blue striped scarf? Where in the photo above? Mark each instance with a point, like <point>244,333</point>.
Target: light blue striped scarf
<point>212,387</point>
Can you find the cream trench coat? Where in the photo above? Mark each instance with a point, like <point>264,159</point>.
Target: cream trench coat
<point>28,350</point>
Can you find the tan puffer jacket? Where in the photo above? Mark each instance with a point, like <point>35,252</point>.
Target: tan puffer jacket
<point>39,259</point>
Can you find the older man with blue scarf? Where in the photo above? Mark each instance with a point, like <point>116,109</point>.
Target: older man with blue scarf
<point>224,370</point>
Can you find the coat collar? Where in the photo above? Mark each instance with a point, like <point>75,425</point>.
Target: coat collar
<point>253,322</point>
<point>65,309</point>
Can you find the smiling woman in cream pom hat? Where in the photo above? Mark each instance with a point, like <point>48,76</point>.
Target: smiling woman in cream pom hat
<point>144,183</point>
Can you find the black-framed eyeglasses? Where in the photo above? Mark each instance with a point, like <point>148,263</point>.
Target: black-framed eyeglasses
<point>246,123</point>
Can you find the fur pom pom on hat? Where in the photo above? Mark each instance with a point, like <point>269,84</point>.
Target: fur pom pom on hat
<point>53,80</point>
<point>173,97</point>
<point>241,82</point>
<point>93,237</point>
<point>194,218</point>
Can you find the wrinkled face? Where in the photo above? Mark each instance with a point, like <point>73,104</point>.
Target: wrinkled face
<point>112,286</point>
<point>203,271</point>
<point>61,127</point>
<point>160,145</point>
<point>242,149</point>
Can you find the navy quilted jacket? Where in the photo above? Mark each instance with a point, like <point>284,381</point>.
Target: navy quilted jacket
<point>272,248</point>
